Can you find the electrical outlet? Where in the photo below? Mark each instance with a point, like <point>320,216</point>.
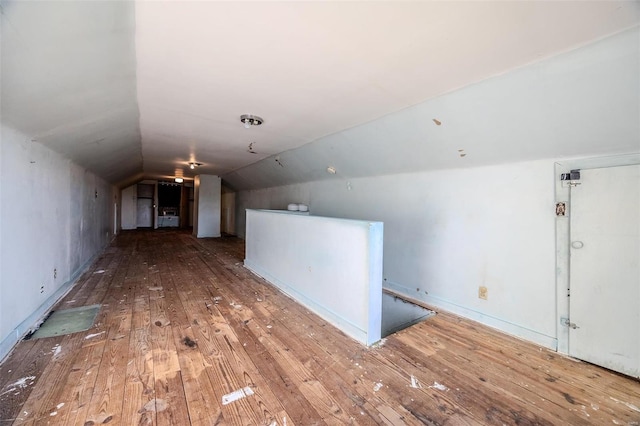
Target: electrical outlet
<point>42,289</point>
<point>55,273</point>
<point>483,292</point>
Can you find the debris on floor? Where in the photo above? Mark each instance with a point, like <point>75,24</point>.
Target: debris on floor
<point>438,386</point>
<point>415,383</point>
<point>236,395</point>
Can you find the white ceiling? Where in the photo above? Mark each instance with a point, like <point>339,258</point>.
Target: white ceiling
<point>132,90</point>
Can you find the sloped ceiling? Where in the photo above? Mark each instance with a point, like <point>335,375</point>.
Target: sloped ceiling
<point>69,81</point>
<point>132,90</point>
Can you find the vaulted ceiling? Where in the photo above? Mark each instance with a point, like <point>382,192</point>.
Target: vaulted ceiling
<point>134,90</point>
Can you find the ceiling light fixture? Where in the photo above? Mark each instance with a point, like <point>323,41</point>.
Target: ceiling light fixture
<point>251,120</point>
<point>194,165</point>
<point>179,180</point>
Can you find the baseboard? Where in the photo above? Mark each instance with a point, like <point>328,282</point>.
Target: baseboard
<point>516,330</point>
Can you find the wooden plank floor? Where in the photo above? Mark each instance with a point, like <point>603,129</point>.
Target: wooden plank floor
<point>186,335</point>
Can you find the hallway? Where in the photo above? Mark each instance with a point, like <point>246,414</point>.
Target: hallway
<point>187,335</point>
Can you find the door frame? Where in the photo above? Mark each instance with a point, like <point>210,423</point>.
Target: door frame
<point>563,234</point>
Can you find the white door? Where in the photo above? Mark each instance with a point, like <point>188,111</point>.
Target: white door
<point>145,213</point>
<point>604,270</point>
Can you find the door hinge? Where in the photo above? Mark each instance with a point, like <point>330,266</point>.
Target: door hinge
<point>567,323</point>
<point>572,175</point>
<point>571,178</point>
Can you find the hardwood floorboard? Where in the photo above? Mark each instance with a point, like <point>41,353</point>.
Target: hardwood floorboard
<point>187,336</point>
<point>232,369</point>
<point>18,375</point>
<point>302,382</point>
<point>553,375</point>
<point>171,402</point>
<point>299,322</point>
<point>316,354</point>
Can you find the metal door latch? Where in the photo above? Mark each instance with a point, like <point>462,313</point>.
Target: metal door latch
<point>566,322</point>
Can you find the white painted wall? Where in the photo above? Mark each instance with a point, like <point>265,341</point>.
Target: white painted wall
<point>51,218</point>
<point>207,201</point>
<point>452,222</point>
<point>314,258</point>
<point>448,232</point>
<point>129,207</point>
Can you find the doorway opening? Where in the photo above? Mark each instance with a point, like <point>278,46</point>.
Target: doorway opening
<point>145,205</point>
<point>175,204</point>
<point>169,201</point>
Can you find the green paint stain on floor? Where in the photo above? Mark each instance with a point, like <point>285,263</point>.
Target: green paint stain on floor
<point>67,321</point>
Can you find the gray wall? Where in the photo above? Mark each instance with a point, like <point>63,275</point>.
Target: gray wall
<point>455,222</point>
<point>54,215</point>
